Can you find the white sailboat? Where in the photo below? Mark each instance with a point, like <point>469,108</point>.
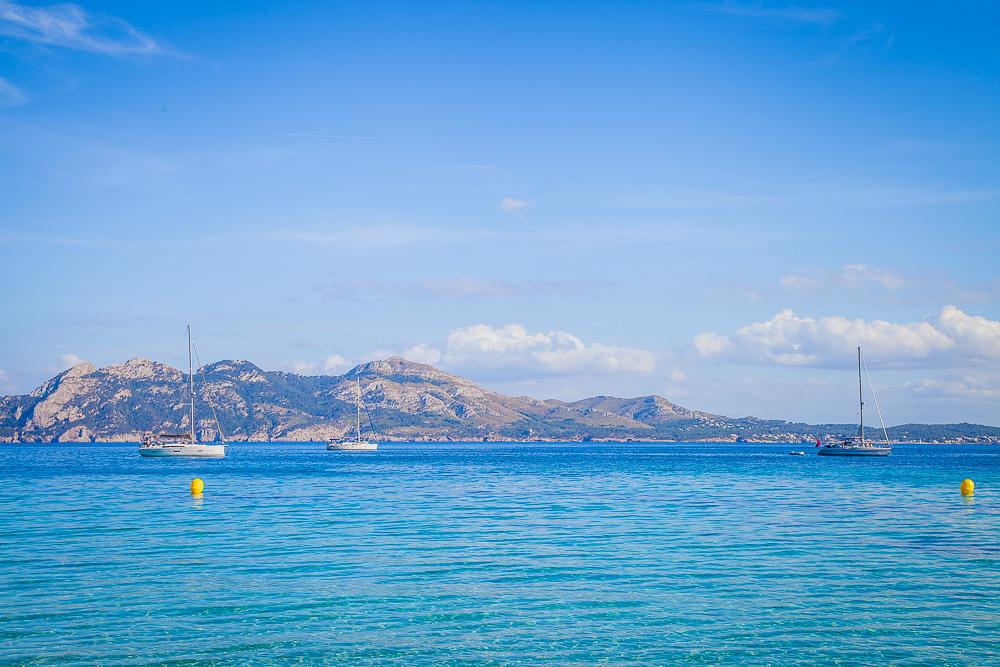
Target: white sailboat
<point>357,445</point>
<point>858,445</point>
<point>183,444</point>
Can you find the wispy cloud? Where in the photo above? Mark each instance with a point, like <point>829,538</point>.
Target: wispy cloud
<point>303,367</point>
<point>867,38</point>
<point>334,363</point>
<point>11,238</point>
<point>385,234</point>
<point>963,387</point>
<point>796,283</point>
<point>852,275</point>
<point>332,137</point>
<point>455,288</point>
<point>700,200</point>
<point>869,35</point>
<point>472,166</point>
<point>65,362</point>
<point>787,14</point>
<point>82,160</point>
<point>511,205</point>
<point>11,95</point>
<point>69,26</point>
<point>928,146</point>
<point>811,194</point>
<point>422,353</point>
<point>882,285</point>
<point>70,360</point>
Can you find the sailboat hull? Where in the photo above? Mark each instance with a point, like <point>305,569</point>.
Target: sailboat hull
<point>854,451</point>
<point>353,446</point>
<point>195,450</point>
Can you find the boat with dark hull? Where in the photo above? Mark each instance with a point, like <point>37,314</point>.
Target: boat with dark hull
<point>859,445</point>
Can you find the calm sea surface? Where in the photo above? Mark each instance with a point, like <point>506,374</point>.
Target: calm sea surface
<point>499,554</point>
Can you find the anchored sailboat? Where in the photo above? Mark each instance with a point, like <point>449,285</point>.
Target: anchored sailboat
<point>357,445</point>
<point>858,445</point>
<point>184,444</point>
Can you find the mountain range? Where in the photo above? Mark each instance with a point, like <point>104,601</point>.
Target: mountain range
<point>403,401</point>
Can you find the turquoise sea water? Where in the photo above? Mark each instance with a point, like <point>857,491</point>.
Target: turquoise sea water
<point>499,554</point>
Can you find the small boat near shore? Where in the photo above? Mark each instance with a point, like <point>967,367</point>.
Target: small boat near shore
<point>858,445</point>
<point>356,445</point>
<point>184,444</point>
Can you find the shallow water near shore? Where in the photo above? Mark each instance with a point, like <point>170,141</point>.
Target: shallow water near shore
<point>499,554</point>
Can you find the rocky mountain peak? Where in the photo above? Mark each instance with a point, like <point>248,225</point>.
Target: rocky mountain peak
<point>79,370</point>
<point>236,369</point>
<point>139,369</point>
<point>69,376</point>
<point>398,366</point>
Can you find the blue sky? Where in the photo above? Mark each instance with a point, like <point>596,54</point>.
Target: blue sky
<point>713,201</point>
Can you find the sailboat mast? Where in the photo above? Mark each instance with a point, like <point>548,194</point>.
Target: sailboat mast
<point>359,409</point>
<point>191,382</point>
<point>861,398</point>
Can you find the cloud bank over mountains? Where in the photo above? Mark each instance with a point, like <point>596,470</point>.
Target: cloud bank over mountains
<point>952,338</point>
<point>512,348</point>
<point>558,352</point>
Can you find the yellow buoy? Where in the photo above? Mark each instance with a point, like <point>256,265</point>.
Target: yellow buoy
<point>197,486</point>
<point>968,486</point>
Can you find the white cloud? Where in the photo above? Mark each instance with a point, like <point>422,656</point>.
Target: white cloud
<point>511,346</point>
<point>70,26</point>
<point>335,363</point>
<point>422,354</point>
<point>70,360</point>
<point>954,337</point>
<point>677,375</point>
<point>11,95</point>
<point>303,367</point>
<point>65,362</point>
<point>751,295</point>
<point>711,344</point>
<point>852,275</point>
<point>511,205</point>
<point>975,333</point>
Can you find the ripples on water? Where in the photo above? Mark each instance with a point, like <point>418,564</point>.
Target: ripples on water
<point>498,554</point>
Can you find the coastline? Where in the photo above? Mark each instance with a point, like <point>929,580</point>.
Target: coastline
<point>985,441</point>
